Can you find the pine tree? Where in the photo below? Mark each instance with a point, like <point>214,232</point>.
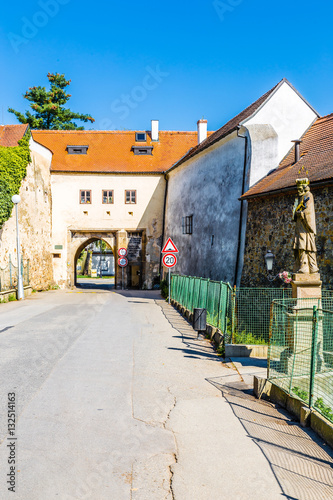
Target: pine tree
<point>48,108</point>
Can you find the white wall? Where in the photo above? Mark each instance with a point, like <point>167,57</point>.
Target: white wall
<point>289,116</point>
<point>69,214</point>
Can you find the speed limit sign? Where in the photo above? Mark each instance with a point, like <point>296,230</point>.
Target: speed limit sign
<point>169,260</point>
<point>122,252</point>
<point>122,262</point>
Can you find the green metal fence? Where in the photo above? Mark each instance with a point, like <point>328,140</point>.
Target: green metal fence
<point>300,354</point>
<point>242,314</point>
<point>8,275</point>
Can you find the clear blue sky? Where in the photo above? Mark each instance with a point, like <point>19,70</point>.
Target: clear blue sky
<point>212,58</point>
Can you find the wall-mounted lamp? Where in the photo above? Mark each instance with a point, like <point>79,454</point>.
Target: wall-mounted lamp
<point>269,260</point>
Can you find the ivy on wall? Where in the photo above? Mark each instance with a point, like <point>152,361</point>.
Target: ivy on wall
<point>13,169</point>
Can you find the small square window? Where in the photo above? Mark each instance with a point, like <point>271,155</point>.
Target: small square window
<point>130,196</point>
<point>187,224</point>
<point>107,196</point>
<point>140,136</point>
<point>85,196</point>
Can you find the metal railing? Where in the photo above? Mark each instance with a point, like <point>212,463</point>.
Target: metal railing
<point>300,353</point>
<point>242,314</point>
<point>8,275</point>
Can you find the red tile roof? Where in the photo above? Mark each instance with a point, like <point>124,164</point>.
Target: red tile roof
<point>230,126</point>
<point>11,134</point>
<point>111,151</point>
<point>316,162</point>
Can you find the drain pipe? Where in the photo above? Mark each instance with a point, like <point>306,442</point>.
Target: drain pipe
<point>241,207</point>
<point>163,223</point>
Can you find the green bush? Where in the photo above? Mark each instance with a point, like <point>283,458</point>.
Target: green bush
<point>13,169</point>
<point>245,337</point>
<point>164,287</point>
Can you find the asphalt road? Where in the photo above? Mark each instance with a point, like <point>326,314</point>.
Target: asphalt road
<point>116,400</point>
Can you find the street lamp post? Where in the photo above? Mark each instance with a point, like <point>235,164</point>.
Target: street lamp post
<point>20,290</point>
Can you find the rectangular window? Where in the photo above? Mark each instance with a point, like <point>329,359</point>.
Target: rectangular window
<point>107,196</point>
<point>85,196</point>
<point>187,224</point>
<point>130,196</point>
<point>140,136</point>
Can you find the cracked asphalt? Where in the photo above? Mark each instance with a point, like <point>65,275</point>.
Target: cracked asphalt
<point>118,400</point>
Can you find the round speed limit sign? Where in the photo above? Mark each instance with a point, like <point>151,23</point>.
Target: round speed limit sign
<point>169,260</point>
<point>122,262</point>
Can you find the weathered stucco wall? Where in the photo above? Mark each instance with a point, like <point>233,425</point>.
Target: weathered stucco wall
<point>270,227</point>
<point>70,218</point>
<point>207,187</point>
<point>34,221</point>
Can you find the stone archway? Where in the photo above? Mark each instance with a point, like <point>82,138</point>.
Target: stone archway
<point>78,240</point>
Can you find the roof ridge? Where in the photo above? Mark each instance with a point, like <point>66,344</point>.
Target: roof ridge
<point>324,118</point>
<point>113,131</point>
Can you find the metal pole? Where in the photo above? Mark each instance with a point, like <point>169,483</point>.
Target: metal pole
<point>169,284</point>
<point>313,353</point>
<point>20,289</point>
<point>122,278</point>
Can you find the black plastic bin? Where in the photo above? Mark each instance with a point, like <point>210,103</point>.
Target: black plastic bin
<point>199,319</point>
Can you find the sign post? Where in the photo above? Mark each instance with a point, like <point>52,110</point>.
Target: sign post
<point>122,262</point>
<point>169,259</point>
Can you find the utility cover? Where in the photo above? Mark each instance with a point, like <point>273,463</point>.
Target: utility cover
<point>170,247</point>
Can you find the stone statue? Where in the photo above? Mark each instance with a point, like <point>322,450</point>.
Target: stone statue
<point>305,250</point>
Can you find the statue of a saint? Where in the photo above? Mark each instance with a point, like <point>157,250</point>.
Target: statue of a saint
<point>305,250</point>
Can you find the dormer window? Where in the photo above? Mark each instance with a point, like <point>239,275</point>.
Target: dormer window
<point>140,136</point>
<point>143,150</point>
<point>77,150</point>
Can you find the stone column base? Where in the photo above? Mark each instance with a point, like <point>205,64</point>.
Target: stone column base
<point>306,286</point>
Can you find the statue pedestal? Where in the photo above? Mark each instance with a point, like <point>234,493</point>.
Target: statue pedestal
<point>297,357</point>
<point>306,286</point>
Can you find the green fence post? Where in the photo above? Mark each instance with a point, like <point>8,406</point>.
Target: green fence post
<point>269,337</point>
<point>313,353</point>
<point>233,313</point>
<point>10,271</point>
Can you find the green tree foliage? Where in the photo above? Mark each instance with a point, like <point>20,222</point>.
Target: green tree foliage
<point>13,169</point>
<point>48,108</point>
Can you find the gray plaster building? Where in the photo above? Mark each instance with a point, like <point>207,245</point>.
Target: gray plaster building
<point>203,214</point>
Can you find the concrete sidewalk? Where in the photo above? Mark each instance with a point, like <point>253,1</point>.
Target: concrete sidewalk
<point>231,445</point>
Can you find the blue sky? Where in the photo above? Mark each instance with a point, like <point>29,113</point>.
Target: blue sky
<point>175,61</point>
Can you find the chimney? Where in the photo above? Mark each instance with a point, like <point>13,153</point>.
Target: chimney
<point>154,130</point>
<point>202,130</point>
<point>297,150</point>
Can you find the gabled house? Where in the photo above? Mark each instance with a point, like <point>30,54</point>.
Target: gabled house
<point>270,202</point>
<point>110,185</point>
<point>203,213</point>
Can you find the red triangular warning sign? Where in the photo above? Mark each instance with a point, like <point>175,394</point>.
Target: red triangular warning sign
<point>170,247</point>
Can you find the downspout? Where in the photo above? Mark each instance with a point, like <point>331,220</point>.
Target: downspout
<point>241,207</point>
<point>163,223</point>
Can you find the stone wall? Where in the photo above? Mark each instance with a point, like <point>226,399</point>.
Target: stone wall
<point>34,221</point>
<point>270,227</point>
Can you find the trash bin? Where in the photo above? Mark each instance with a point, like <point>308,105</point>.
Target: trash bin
<point>199,319</point>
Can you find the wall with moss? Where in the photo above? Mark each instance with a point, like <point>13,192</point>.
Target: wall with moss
<point>270,227</point>
<point>34,219</point>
